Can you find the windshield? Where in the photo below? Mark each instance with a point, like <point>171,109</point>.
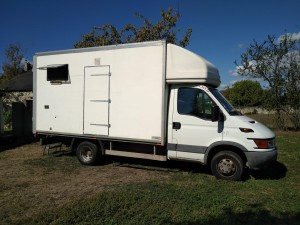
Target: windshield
<point>229,108</point>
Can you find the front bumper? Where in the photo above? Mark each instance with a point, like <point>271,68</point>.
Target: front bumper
<point>260,159</point>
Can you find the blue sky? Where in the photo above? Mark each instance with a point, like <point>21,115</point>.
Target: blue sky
<point>222,29</point>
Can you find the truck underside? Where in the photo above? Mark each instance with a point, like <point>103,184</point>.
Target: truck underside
<point>106,147</point>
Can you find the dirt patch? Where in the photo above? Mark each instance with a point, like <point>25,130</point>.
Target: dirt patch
<point>31,183</point>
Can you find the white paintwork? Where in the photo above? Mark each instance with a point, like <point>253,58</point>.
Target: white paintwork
<point>172,154</point>
<point>194,131</point>
<point>189,156</point>
<point>197,132</point>
<point>184,66</point>
<point>127,102</point>
<point>135,88</point>
<point>122,92</point>
<point>231,132</point>
<point>96,100</point>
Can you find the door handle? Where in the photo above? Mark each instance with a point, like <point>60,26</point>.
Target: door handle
<point>176,125</point>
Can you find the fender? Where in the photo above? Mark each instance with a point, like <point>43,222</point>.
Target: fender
<point>76,141</point>
<point>222,143</point>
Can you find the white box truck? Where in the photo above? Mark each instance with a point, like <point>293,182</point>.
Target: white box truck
<point>150,100</point>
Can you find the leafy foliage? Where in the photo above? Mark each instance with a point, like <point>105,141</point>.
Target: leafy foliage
<point>11,67</point>
<point>277,61</point>
<point>246,93</point>
<point>164,29</point>
<point>12,64</point>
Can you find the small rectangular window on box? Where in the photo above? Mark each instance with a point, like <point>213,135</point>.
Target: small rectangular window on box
<point>57,74</point>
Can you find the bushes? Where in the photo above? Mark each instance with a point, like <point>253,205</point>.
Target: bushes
<point>8,99</point>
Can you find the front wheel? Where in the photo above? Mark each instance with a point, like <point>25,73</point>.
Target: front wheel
<point>227,165</point>
<point>88,153</point>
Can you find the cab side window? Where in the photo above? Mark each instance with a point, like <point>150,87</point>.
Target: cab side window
<point>194,102</point>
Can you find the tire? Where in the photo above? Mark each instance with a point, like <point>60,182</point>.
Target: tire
<point>227,165</point>
<point>88,153</point>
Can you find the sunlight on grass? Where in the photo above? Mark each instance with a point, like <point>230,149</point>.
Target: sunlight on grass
<point>188,196</point>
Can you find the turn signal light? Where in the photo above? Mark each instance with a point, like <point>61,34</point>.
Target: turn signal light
<point>246,130</point>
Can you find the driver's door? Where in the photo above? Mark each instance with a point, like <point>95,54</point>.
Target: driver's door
<point>192,128</point>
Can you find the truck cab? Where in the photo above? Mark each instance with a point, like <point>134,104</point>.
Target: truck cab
<point>204,127</point>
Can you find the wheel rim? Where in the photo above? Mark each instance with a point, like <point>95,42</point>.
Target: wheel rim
<point>86,154</point>
<point>226,167</point>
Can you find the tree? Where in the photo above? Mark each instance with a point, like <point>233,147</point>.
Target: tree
<point>11,67</point>
<point>163,29</point>
<point>246,93</point>
<point>226,92</point>
<point>277,62</point>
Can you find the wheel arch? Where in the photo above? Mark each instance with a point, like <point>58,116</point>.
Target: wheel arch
<point>76,141</point>
<point>225,146</point>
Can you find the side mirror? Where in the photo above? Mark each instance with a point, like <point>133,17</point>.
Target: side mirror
<point>215,113</point>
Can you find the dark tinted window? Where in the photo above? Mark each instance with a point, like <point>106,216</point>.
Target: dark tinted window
<point>58,73</point>
<point>195,102</point>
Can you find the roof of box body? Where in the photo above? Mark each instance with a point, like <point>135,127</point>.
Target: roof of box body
<point>184,66</point>
<point>103,48</point>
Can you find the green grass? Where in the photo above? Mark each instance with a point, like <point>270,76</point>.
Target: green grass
<point>267,120</point>
<point>269,197</point>
<point>61,161</point>
<point>200,203</point>
<point>270,121</point>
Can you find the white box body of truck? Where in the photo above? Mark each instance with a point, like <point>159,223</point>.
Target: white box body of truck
<point>111,92</point>
<point>127,99</point>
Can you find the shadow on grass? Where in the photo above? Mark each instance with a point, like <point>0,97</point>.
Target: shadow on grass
<point>63,153</point>
<point>251,214</point>
<point>8,142</point>
<point>275,171</point>
<point>257,214</point>
<point>144,164</point>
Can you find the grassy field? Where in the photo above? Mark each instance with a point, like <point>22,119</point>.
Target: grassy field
<point>56,189</point>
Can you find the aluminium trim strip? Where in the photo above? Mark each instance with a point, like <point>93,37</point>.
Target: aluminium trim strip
<point>136,155</point>
<point>164,108</point>
<point>101,137</point>
<point>104,74</point>
<point>101,101</point>
<point>187,148</point>
<point>101,125</point>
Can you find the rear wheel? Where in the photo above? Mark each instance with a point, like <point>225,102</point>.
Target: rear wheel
<point>88,153</point>
<point>227,165</point>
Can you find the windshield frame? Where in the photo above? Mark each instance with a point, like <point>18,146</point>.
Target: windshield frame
<point>224,102</point>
